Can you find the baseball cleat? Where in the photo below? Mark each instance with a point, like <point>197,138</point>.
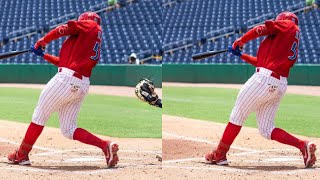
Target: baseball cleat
<point>215,158</point>
<point>17,158</point>
<point>308,153</point>
<point>110,153</point>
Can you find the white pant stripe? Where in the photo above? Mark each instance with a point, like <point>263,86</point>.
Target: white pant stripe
<point>63,94</point>
<point>262,94</point>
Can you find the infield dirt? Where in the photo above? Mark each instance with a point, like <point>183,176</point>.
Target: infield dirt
<point>185,142</point>
<point>55,157</point>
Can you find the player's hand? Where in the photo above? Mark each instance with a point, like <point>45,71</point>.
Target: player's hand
<point>38,52</point>
<point>236,52</point>
<point>238,43</point>
<point>40,43</point>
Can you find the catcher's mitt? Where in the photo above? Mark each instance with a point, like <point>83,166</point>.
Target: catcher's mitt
<point>145,91</point>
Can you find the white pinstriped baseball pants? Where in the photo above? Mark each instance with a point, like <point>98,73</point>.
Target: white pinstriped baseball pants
<point>64,94</point>
<point>262,94</point>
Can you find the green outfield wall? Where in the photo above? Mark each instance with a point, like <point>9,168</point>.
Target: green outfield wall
<point>230,73</point>
<point>116,75</point>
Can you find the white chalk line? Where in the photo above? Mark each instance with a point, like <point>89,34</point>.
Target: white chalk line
<point>230,169</point>
<point>205,141</point>
<point>181,160</point>
<point>273,162</point>
<point>37,170</point>
<point>247,151</point>
<point>250,152</point>
<point>274,159</point>
<point>55,152</point>
<point>95,150</point>
<point>82,172</point>
<point>36,147</point>
<point>262,151</point>
<point>77,156</point>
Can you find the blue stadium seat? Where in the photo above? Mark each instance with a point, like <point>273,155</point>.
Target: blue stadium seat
<point>194,19</point>
<point>133,28</point>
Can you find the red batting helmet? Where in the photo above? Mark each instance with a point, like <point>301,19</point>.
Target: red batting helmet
<point>288,16</point>
<point>89,16</point>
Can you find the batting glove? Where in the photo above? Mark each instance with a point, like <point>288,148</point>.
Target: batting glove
<point>238,43</point>
<point>236,52</point>
<point>40,43</point>
<point>38,52</point>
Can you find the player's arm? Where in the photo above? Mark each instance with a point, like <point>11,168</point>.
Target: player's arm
<point>71,28</point>
<point>249,59</point>
<point>52,59</point>
<point>270,27</point>
<point>56,33</point>
<point>258,31</point>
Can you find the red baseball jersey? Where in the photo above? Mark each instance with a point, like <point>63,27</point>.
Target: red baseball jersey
<point>81,51</point>
<point>279,50</point>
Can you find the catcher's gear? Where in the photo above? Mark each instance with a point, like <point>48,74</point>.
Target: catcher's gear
<point>145,91</point>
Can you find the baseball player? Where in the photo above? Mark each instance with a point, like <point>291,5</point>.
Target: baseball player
<point>263,92</point>
<point>65,92</point>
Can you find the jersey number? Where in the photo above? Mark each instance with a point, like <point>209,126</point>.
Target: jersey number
<point>294,47</point>
<point>96,48</point>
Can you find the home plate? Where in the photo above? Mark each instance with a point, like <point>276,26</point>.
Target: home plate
<point>83,159</point>
<point>282,159</point>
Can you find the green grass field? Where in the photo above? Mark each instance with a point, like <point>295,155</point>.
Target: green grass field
<point>297,113</point>
<point>101,114</point>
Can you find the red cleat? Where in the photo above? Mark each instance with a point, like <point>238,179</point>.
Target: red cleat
<point>18,158</point>
<point>216,158</point>
<point>110,153</point>
<point>308,153</point>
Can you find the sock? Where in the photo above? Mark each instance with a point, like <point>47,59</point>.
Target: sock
<point>86,137</point>
<point>286,138</point>
<point>32,134</point>
<point>230,133</point>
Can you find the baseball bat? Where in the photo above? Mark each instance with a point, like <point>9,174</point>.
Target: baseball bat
<point>13,53</point>
<point>200,56</point>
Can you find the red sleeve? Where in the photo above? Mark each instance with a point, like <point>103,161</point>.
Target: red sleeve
<point>56,33</point>
<point>71,28</point>
<point>249,59</point>
<point>278,26</point>
<point>52,59</point>
<point>260,30</point>
<point>270,27</point>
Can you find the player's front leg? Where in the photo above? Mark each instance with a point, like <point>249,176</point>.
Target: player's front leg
<point>265,119</point>
<point>68,115</point>
<point>109,148</point>
<point>306,147</point>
